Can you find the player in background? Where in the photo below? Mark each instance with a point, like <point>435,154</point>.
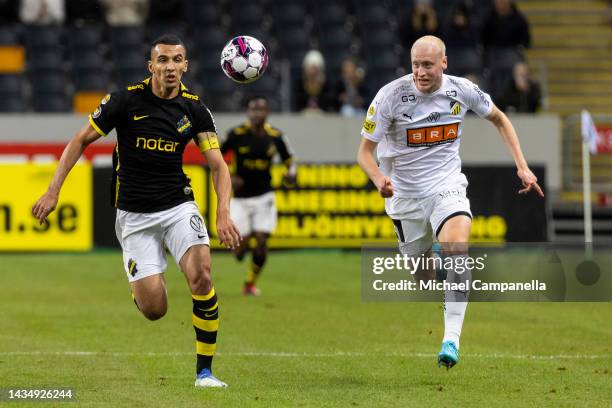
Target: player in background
<point>415,123</point>
<point>155,119</point>
<point>254,144</point>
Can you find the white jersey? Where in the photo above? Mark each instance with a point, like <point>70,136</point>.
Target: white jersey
<point>418,134</point>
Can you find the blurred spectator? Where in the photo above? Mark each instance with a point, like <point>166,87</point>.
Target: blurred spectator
<point>125,12</point>
<point>460,31</point>
<point>506,27</point>
<point>9,11</point>
<point>81,12</point>
<point>523,93</point>
<point>422,20</point>
<point>42,12</point>
<point>351,91</point>
<point>313,91</point>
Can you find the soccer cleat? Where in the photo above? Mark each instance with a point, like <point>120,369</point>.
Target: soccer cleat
<point>250,290</point>
<point>206,379</point>
<point>448,355</point>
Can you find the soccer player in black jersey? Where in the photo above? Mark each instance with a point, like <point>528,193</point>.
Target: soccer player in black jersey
<point>254,144</point>
<point>155,119</point>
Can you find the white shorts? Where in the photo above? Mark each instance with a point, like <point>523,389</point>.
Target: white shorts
<point>143,236</point>
<point>418,220</point>
<point>254,214</point>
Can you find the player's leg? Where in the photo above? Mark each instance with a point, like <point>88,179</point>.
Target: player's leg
<point>413,232</point>
<point>454,236</point>
<point>239,210</point>
<point>195,264</point>
<point>150,296</point>
<point>242,248</point>
<point>451,220</point>
<point>263,218</point>
<point>187,240</point>
<point>144,261</point>
<point>259,255</point>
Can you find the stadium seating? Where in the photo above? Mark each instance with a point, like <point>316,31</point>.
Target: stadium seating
<point>91,54</point>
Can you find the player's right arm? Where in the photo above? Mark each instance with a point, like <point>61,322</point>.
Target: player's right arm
<point>72,152</point>
<point>367,163</point>
<point>376,124</point>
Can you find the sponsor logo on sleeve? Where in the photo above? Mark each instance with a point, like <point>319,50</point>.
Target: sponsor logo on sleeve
<point>369,126</point>
<point>371,110</point>
<point>481,94</point>
<point>105,99</point>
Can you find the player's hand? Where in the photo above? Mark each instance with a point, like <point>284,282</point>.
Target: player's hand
<point>530,182</point>
<point>290,180</point>
<point>228,233</point>
<point>44,206</point>
<point>383,184</point>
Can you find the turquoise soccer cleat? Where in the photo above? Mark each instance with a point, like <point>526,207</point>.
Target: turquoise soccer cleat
<point>448,355</point>
<point>206,379</point>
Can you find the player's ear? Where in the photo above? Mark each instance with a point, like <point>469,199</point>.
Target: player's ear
<point>444,62</point>
<point>186,65</point>
<point>150,66</point>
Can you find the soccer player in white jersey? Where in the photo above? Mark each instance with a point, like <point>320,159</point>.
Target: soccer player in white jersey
<point>415,123</point>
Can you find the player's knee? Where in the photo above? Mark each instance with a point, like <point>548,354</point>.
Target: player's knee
<point>456,245</point>
<point>201,283</point>
<point>154,311</point>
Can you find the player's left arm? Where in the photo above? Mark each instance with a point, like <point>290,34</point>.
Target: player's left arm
<point>508,134</point>
<point>209,145</point>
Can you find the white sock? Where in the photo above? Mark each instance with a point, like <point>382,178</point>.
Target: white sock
<point>455,304</point>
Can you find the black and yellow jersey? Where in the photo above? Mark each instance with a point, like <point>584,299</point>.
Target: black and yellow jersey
<point>151,136</point>
<point>252,157</point>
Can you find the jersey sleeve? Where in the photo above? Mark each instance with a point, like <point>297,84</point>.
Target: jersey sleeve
<point>477,100</point>
<point>284,149</point>
<point>205,123</point>
<point>378,118</point>
<point>108,114</point>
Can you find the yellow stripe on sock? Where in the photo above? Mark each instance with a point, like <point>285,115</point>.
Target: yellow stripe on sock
<point>205,349</point>
<point>253,273</point>
<point>204,297</point>
<point>206,325</point>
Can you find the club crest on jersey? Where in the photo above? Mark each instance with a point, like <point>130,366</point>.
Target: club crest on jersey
<point>184,125</point>
<point>132,270</point>
<point>455,108</point>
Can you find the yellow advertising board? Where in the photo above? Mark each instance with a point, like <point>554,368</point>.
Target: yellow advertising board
<point>333,206</point>
<point>68,228</point>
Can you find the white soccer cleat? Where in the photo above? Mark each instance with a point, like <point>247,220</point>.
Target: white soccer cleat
<point>206,379</point>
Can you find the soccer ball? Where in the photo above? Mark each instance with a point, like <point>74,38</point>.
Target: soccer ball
<point>244,59</point>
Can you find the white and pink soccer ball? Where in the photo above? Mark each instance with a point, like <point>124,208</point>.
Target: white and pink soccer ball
<point>244,59</point>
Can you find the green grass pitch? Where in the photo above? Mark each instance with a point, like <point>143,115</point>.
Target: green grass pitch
<point>67,320</point>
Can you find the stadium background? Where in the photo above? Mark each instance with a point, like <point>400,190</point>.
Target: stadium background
<point>52,73</point>
<point>51,76</point>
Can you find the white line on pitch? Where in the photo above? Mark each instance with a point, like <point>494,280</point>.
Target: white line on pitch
<point>309,355</point>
